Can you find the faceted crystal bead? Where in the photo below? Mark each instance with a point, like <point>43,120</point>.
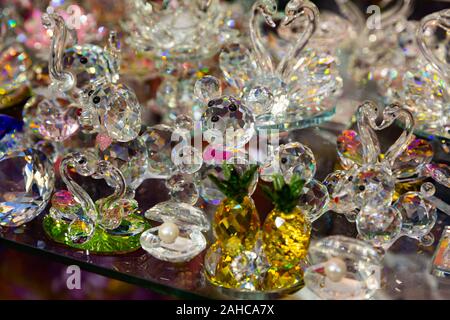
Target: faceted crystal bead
<point>182,188</point>
<point>207,88</point>
<point>349,148</point>
<point>289,159</point>
<point>27,181</point>
<point>314,200</point>
<point>81,230</point>
<point>52,118</point>
<point>237,65</point>
<point>130,158</point>
<point>112,109</point>
<point>379,226</point>
<point>228,120</point>
<point>418,216</point>
<point>259,100</point>
<point>408,164</point>
<point>158,140</point>
<point>373,185</point>
<point>184,122</point>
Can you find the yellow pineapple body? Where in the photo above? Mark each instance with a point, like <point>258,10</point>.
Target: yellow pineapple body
<point>286,239</point>
<point>236,225</point>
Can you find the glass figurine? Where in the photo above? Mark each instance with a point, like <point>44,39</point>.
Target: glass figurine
<point>181,37</point>
<point>90,74</point>
<point>236,227</point>
<point>300,90</point>
<point>424,88</point>
<point>364,192</point>
<point>15,63</point>
<point>27,182</point>
<point>109,225</point>
<point>179,237</point>
<point>285,235</point>
<point>343,268</point>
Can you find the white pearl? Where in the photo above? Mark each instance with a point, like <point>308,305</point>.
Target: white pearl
<point>168,232</point>
<point>335,269</point>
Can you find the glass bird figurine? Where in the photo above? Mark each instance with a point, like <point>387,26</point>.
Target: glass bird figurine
<point>109,225</point>
<point>300,90</point>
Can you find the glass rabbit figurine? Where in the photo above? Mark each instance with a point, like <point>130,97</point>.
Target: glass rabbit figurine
<point>109,225</point>
<point>301,90</point>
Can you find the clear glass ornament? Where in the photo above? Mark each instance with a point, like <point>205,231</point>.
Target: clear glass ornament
<point>289,104</point>
<point>343,268</point>
<point>108,225</point>
<point>27,184</point>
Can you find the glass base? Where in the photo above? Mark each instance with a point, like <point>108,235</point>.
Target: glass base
<point>266,122</point>
<point>124,239</point>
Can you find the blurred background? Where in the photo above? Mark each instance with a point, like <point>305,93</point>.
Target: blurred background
<point>26,276</point>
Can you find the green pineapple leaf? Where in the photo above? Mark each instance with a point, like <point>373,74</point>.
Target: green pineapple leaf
<point>234,186</point>
<point>285,196</point>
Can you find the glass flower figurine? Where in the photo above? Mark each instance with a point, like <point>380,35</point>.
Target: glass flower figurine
<point>365,190</point>
<point>425,84</point>
<point>89,74</point>
<point>301,90</point>
<point>343,268</point>
<point>27,182</point>
<point>107,226</point>
<point>15,63</point>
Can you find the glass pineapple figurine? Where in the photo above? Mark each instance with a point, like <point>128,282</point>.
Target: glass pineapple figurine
<point>235,225</point>
<point>285,234</point>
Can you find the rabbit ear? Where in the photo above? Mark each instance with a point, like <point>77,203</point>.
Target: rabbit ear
<point>237,65</point>
<point>440,19</point>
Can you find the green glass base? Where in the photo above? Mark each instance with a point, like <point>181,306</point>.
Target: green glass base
<point>122,240</point>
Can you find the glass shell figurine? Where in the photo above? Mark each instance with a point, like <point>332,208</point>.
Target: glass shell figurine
<point>343,268</point>
<point>27,182</point>
<point>109,225</point>
<point>179,235</point>
<point>301,90</point>
<point>425,86</point>
<point>89,74</point>
<point>15,63</point>
<point>364,192</point>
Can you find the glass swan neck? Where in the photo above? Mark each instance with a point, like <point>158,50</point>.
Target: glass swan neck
<point>439,19</point>
<point>390,114</point>
<point>365,119</point>
<point>262,56</point>
<point>297,8</point>
<point>402,8</point>
<point>86,202</point>
<point>63,80</point>
<point>352,13</point>
<point>115,177</point>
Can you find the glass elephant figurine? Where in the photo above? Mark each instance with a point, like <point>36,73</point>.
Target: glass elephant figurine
<point>89,74</point>
<point>109,225</point>
<point>364,190</point>
<point>300,90</point>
